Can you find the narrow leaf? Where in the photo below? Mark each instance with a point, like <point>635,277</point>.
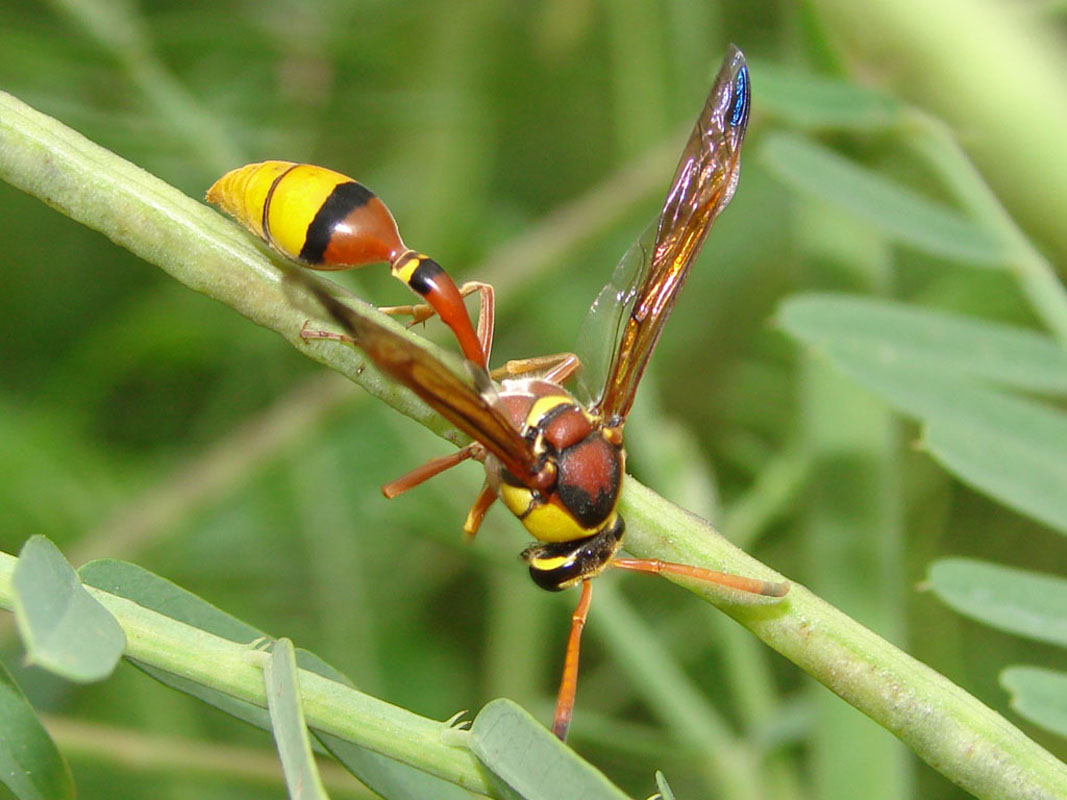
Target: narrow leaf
<point>529,761</point>
<point>30,765</point>
<point>160,595</point>
<point>899,212</point>
<point>664,788</point>
<point>287,721</point>
<point>883,331</point>
<point>813,101</point>
<point>1025,469</point>
<point>1018,601</point>
<point>1008,447</point>
<point>1038,694</point>
<point>64,628</point>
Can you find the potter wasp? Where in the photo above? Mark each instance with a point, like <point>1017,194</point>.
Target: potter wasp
<point>555,463</point>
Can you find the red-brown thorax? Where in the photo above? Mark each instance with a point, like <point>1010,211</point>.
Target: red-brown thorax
<point>587,459</point>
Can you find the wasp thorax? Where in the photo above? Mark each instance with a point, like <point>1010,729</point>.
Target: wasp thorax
<point>587,464</point>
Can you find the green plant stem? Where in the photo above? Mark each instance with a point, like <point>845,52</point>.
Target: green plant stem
<point>235,669</point>
<point>154,754</point>
<point>852,527</point>
<point>951,730</point>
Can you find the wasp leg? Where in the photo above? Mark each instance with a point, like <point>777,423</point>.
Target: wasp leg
<point>432,467</point>
<point>557,367</point>
<point>486,314</point>
<point>568,686</point>
<point>739,582</point>
<point>486,497</point>
<point>307,334</point>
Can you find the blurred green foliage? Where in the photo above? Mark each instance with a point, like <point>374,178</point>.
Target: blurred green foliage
<point>144,422</point>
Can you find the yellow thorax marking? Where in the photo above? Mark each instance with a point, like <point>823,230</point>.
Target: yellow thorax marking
<point>544,405</point>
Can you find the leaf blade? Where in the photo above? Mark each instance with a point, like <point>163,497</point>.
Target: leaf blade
<point>64,628</point>
<point>30,764</point>
<point>894,209</point>
<point>288,725</point>
<point>882,330</point>
<point>1018,601</point>
<point>1038,694</point>
<point>529,762</point>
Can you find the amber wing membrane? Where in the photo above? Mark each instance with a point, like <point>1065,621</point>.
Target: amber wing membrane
<point>438,386</point>
<point>703,185</point>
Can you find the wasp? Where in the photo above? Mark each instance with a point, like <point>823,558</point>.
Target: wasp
<point>555,463</point>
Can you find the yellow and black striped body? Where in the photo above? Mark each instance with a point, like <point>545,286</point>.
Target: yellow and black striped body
<point>576,517</point>
<point>310,214</point>
<point>327,221</point>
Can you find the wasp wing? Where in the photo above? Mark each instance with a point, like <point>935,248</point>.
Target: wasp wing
<point>703,184</point>
<point>438,386</point>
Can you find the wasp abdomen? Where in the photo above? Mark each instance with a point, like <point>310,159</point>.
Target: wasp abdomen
<point>310,214</point>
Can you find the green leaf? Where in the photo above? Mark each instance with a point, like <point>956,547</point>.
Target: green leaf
<point>64,628</point>
<point>891,208</point>
<point>883,331</point>
<point>813,101</point>
<point>30,765</point>
<point>287,723</point>
<point>664,788</point>
<point>384,775</point>
<point>1014,600</point>
<point>1008,447</point>
<point>528,761</point>
<point>1024,467</point>
<point>160,595</point>
<point>1038,694</point>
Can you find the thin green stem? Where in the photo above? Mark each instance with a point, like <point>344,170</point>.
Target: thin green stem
<point>156,754</point>
<point>235,669</point>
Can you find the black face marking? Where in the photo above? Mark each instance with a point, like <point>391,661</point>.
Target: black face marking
<point>343,200</point>
<point>583,558</point>
<point>426,275</point>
